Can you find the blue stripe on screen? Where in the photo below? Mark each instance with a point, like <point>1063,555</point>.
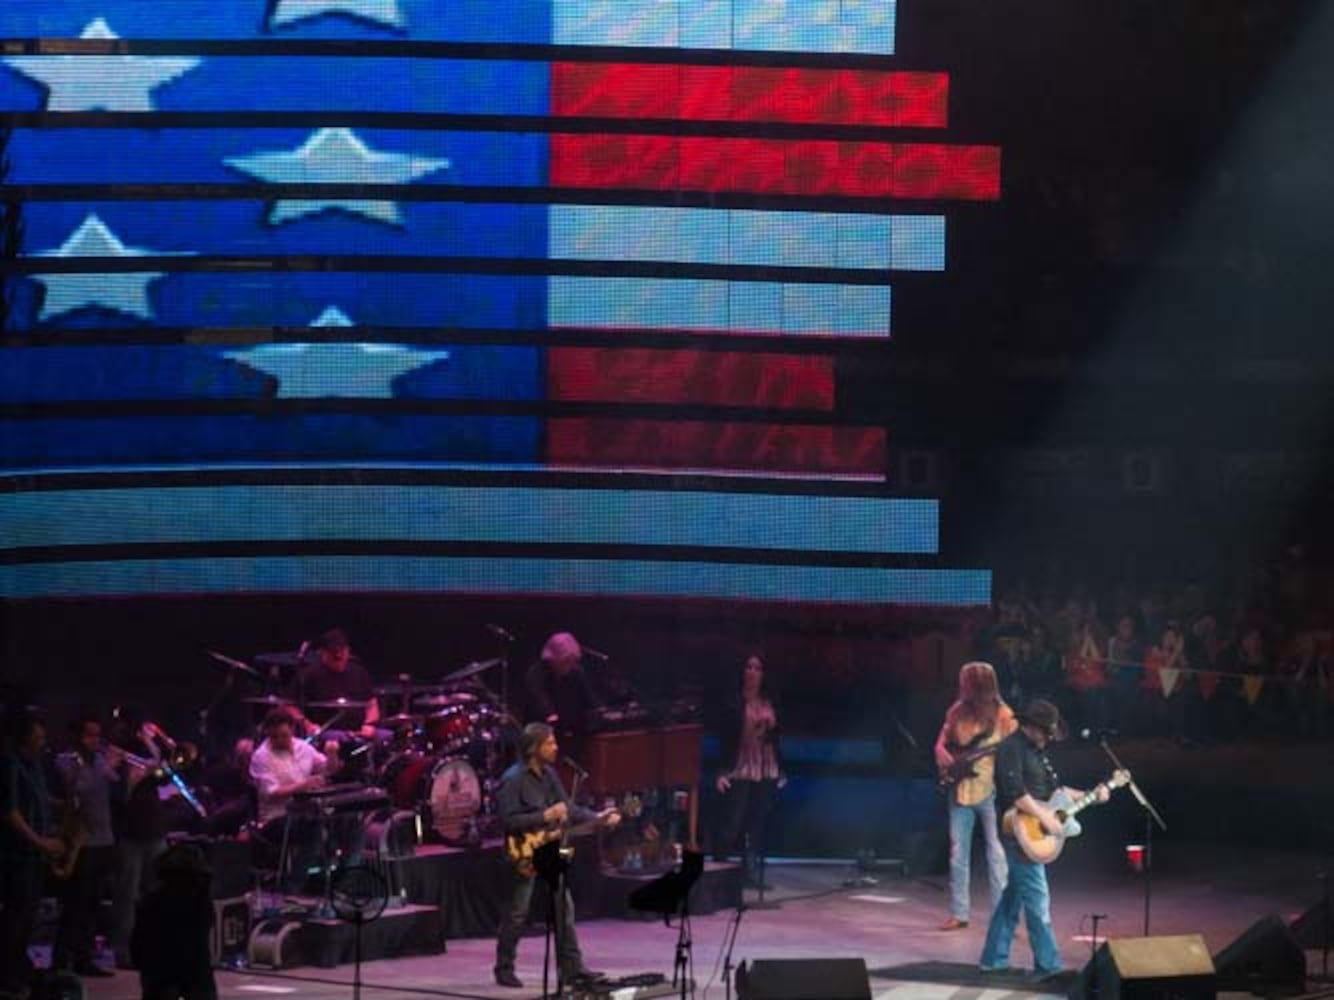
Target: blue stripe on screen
<point>488,514</point>
<point>42,443</point>
<point>147,156</point>
<point>546,577</point>
<point>297,299</point>
<point>323,83</point>
<point>426,20</point>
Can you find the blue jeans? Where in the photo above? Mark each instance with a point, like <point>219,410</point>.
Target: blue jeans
<point>1026,891</point>
<point>962,821</point>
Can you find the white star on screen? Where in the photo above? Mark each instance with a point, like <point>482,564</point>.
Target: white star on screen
<point>335,156</point>
<point>382,11</point>
<point>312,371</point>
<point>101,83</point>
<point>332,317</point>
<point>127,293</point>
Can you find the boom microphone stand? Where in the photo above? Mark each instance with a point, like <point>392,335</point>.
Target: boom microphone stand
<point>1150,818</point>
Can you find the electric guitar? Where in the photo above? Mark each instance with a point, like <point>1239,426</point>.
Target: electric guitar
<point>520,846</point>
<point>962,768</point>
<point>1043,847</point>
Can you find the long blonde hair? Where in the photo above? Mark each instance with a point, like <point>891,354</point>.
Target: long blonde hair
<point>979,697</point>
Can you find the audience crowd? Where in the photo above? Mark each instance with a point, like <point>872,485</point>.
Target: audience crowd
<point>1187,659</point>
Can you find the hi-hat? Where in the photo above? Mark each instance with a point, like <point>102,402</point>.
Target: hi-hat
<point>402,719</point>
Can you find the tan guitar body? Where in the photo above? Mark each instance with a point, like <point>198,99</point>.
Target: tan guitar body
<point>1037,844</point>
<point>520,848</point>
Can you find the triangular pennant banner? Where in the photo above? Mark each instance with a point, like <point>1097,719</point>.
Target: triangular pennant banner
<point>1168,676</point>
<point>1252,685</point>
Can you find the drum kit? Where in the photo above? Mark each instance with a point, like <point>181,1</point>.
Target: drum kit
<point>449,743</point>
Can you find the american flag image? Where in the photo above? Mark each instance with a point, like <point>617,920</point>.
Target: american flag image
<point>517,295</point>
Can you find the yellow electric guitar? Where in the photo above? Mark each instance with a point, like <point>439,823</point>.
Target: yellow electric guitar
<point>1043,847</point>
<point>520,847</point>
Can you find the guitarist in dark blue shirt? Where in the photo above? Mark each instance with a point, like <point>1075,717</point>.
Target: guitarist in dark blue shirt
<point>534,809</point>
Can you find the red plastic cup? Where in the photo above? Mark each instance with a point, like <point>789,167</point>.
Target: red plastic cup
<point>1135,857</point>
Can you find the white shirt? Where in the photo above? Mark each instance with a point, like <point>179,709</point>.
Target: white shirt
<point>271,771</point>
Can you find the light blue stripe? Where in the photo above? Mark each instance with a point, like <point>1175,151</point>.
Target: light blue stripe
<point>556,577</point>
<point>857,26</point>
<point>737,236</point>
<point>733,307</point>
<point>468,514</point>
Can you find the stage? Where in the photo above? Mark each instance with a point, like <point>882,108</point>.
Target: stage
<point>1217,891</point>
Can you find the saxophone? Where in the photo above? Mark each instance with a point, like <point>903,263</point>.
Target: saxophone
<point>73,832</point>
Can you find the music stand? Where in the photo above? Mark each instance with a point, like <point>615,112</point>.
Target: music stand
<point>669,895</point>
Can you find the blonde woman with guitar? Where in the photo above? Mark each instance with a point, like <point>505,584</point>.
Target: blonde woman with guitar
<point>974,727</point>
<point>534,809</point>
<point>1025,782</point>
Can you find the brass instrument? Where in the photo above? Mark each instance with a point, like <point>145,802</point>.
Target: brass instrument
<point>178,757</point>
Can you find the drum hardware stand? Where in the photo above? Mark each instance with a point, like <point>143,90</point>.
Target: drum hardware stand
<point>1150,818</point>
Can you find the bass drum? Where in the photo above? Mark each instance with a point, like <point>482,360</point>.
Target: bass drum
<point>404,777</point>
<point>454,796</point>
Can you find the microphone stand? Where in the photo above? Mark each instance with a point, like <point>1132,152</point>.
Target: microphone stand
<point>1150,817</point>
<point>729,941</point>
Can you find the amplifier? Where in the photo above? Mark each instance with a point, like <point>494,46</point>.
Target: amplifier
<point>231,930</point>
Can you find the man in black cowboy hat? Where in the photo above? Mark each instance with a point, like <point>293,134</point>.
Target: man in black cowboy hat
<point>1025,780</point>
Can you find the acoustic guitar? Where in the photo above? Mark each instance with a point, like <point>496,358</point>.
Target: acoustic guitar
<point>1037,844</point>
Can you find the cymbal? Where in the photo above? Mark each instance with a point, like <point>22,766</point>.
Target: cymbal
<point>473,668</point>
<point>395,690</point>
<point>444,700</point>
<point>338,703</point>
<point>266,699</point>
<point>402,719</point>
<point>280,659</point>
<point>236,665</point>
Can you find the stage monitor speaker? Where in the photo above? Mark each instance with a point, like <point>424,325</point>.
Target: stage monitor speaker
<point>1314,929</point>
<point>1148,968</point>
<point>803,979</point>
<point>1266,957</point>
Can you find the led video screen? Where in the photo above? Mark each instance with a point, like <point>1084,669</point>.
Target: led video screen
<point>260,244</point>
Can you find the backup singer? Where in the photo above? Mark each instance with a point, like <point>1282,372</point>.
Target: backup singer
<point>751,768</point>
<point>531,799</point>
<point>1025,779</point>
<point>974,725</point>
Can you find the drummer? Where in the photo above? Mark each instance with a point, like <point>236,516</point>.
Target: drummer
<point>339,689</point>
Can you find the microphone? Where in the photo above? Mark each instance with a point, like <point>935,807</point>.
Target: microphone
<point>597,654</point>
<point>573,766</point>
<point>1094,735</point>
<point>504,635</point>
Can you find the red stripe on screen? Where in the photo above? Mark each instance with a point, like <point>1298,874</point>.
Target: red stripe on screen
<point>694,444</point>
<point>719,378</point>
<point>750,94</point>
<point>776,166</point>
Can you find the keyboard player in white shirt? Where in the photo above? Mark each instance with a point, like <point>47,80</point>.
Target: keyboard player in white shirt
<point>284,765</point>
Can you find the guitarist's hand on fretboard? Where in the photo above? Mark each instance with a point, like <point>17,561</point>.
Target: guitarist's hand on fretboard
<point>609,818</point>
